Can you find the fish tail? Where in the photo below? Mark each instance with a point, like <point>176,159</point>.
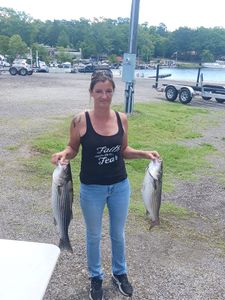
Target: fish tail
<point>154,223</point>
<point>65,245</point>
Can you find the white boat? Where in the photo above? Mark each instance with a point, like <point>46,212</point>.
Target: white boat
<point>215,65</point>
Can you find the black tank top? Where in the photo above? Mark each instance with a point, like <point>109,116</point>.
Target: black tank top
<point>102,161</point>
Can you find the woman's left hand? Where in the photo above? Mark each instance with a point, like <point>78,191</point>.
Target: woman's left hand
<point>152,155</point>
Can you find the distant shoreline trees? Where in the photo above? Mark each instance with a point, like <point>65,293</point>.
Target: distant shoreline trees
<point>107,37</point>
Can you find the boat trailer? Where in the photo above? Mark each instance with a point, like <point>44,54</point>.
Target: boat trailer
<point>185,93</point>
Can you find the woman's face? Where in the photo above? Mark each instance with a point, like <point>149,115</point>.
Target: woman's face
<point>102,93</point>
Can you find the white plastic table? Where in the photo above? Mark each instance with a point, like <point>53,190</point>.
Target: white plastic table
<point>25,269</point>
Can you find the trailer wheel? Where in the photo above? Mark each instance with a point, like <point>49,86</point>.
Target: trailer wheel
<point>185,96</point>
<point>219,100</point>
<point>206,98</point>
<point>171,93</point>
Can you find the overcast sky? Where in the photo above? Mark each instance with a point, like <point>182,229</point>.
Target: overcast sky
<point>173,13</point>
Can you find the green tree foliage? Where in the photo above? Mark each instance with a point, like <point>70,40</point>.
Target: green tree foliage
<point>62,55</point>
<point>146,45</point>
<point>4,44</point>
<point>207,56</point>
<point>63,39</point>
<point>107,37</point>
<point>17,48</point>
<point>39,51</point>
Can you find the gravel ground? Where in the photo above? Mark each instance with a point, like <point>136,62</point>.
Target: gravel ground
<point>181,259</point>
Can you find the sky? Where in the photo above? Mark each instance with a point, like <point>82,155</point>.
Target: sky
<point>173,13</point>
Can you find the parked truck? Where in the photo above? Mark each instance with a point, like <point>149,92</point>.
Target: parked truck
<point>20,67</point>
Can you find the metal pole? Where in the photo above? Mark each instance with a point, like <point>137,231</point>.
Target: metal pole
<point>31,57</point>
<point>129,87</point>
<point>37,59</point>
<point>157,76</point>
<point>134,26</point>
<point>198,76</point>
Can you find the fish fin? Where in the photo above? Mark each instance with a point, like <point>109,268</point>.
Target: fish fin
<point>65,245</point>
<point>155,184</point>
<point>146,215</point>
<point>59,190</point>
<point>154,223</point>
<point>54,220</point>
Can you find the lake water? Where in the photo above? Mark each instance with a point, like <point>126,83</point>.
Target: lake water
<point>209,74</point>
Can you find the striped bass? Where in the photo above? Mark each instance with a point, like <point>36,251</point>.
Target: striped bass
<point>152,190</point>
<point>62,200</point>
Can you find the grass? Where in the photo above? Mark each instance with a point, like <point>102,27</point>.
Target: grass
<point>162,127</point>
<point>152,126</point>
<point>171,209</point>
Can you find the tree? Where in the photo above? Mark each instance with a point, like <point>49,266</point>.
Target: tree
<point>52,33</point>
<point>4,44</point>
<point>207,56</point>
<point>87,49</point>
<point>109,37</point>
<point>17,48</point>
<point>63,39</point>
<point>62,55</point>
<point>160,46</point>
<point>162,30</point>
<point>41,51</point>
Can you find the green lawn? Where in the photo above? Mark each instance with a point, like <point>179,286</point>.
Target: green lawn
<point>155,126</point>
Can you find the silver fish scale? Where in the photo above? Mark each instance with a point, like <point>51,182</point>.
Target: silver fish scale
<point>62,200</point>
<point>152,190</point>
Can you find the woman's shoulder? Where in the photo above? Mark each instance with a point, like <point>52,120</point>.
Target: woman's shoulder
<point>123,116</point>
<point>78,119</point>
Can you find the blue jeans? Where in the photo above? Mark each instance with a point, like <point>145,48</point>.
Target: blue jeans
<point>93,199</point>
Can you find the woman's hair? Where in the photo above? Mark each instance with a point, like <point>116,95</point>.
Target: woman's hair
<point>101,76</point>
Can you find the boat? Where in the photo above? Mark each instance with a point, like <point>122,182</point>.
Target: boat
<point>160,76</point>
<point>215,65</point>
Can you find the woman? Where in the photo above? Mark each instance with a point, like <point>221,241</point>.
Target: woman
<point>103,134</point>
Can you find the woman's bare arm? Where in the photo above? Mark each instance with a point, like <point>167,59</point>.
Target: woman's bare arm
<point>72,148</point>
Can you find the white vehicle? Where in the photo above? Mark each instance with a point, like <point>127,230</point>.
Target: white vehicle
<point>3,63</point>
<point>43,67</point>
<point>40,67</point>
<point>21,67</point>
<point>66,64</point>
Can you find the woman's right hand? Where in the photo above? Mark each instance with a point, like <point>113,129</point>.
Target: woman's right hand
<point>59,156</point>
<point>63,156</point>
